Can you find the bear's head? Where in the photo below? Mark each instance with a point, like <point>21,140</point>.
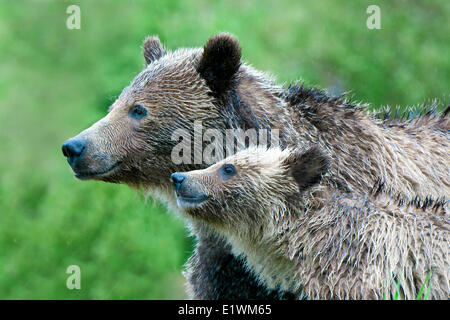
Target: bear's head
<point>246,190</point>
<point>133,142</point>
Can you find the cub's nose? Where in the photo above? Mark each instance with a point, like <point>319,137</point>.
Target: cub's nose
<point>74,149</point>
<point>178,179</point>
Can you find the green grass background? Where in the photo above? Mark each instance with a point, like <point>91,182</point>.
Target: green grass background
<point>54,82</point>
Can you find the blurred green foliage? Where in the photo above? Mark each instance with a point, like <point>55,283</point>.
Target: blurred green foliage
<point>55,82</point>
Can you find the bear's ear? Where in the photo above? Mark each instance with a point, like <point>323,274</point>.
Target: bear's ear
<point>219,62</point>
<point>152,49</point>
<point>307,167</point>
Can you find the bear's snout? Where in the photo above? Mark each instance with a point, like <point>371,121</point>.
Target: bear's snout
<point>187,190</point>
<point>178,180</point>
<point>74,149</point>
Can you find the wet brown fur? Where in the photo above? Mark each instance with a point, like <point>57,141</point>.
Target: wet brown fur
<point>181,86</point>
<point>310,239</point>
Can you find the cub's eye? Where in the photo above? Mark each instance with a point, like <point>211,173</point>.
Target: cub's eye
<point>227,171</point>
<point>138,112</point>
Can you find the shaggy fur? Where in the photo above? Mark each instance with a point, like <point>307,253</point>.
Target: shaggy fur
<point>181,86</point>
<point>300,234</point>
<point>152,49</point>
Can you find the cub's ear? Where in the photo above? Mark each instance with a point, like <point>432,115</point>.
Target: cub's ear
<point>307,167</point>
<point>152,49</point>
<point>219,62</point>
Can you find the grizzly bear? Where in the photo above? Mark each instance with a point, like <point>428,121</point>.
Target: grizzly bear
<point>281,212</point>
<point>133,143</point>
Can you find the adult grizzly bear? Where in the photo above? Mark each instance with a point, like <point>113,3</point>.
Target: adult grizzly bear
<point>281,212</point>
<point>132,144</point>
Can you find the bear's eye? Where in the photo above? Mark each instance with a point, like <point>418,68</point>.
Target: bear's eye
<point>227,171</point>
<point>138,112</point>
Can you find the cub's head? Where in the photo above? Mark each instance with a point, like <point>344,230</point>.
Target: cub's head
<point>244,190</point>
<point>133,142</point>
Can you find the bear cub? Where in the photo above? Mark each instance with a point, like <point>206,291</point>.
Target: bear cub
<point>279,211</point>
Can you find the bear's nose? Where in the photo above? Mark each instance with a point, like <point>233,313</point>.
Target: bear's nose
<point>177,179</point>
<point>74,149</point>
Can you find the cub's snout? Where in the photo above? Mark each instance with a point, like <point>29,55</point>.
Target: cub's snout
<point>188,190</point>
<point>178,179</point>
